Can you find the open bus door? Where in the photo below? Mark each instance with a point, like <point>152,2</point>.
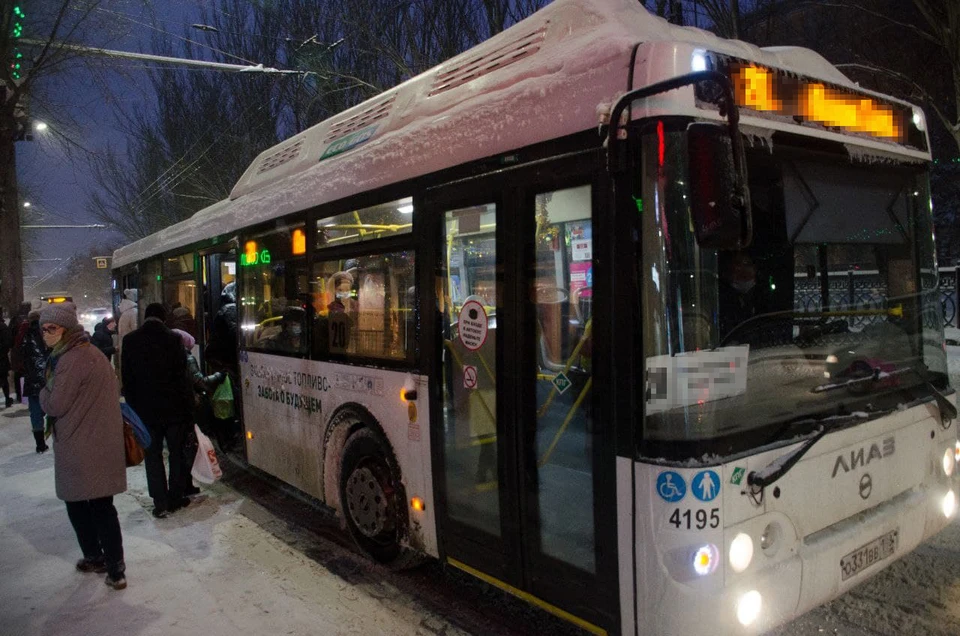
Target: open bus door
<point>524,462</point>
<point>219,269</point>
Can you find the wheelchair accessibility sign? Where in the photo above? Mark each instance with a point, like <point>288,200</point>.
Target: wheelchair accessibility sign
<point>671,487</point>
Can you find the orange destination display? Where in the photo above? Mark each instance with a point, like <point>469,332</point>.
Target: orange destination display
<point>776,92</point>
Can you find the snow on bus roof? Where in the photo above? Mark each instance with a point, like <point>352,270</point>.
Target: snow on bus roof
<point>542,78</point>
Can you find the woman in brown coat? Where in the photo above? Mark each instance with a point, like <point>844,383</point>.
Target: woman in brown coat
<point>82,396</point>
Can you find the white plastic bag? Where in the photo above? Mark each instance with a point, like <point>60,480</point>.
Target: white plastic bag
<point>206,468</point>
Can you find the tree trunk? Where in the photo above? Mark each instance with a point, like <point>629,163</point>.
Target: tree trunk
<point>11,266</point>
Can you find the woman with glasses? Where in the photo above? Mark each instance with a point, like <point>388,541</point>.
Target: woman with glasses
<point>82,396</point>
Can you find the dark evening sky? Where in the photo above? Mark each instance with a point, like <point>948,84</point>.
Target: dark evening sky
<point>53,170</point>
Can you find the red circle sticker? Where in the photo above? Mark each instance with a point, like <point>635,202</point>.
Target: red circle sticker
<point>472,325</point>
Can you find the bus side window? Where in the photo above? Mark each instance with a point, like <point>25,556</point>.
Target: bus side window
<point>273,278</point>
<point>364,306</point>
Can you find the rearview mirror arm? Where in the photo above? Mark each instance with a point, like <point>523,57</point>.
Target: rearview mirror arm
<point>616,158</point>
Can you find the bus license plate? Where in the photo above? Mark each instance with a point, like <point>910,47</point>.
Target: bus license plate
<point>862,558</point>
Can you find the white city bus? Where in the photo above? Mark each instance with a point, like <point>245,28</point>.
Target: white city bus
<point>565,312</point>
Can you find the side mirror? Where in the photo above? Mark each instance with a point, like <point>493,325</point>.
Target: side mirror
<point>719,206</point>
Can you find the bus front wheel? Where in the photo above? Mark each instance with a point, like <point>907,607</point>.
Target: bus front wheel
<point>371,498</point>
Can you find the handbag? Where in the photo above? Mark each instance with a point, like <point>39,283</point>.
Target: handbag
<point>140,430</point>
<point>132,450</point>
<point>223,400</point>
<point>206,468</point>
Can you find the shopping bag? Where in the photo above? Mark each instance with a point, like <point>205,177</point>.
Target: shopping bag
<point>131,446</point>
<point>140,430</point>
<point>206,468</point>
<point>223,400</point>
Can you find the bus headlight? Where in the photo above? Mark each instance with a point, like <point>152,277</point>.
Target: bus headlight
<point>949,504</point>
<point>949,461</point>
<point>705,560</point>
<point>748,607</point>
<point>741,552</point>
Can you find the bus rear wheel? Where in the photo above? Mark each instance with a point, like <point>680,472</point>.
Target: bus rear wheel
<point>371,498</point>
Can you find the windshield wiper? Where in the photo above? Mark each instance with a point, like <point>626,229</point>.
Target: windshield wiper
<point>947,410</point>
<point>781,465</point>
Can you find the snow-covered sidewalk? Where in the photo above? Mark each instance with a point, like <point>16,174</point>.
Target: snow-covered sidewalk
<point>210,569</point>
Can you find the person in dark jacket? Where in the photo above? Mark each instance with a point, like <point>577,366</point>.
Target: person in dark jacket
<point>33,353</point>
<point>221,352</point>
<point>89,464</point>
<point>103,336</point>
<point>16,327</point>
<point>154,369</point>
<point>202,386</point>
<point>6,343</point>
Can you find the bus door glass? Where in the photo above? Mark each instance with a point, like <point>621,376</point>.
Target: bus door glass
<point>562,296</point>
<point>469,308</point>
<point>520,481</point>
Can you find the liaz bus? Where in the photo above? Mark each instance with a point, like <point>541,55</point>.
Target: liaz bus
<point>537,313</point>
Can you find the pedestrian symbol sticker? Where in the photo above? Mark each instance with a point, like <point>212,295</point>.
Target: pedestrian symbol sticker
<point>469,376</point>
<point>737,475</point>
<point>670,486</point>
<point>706,485</point>
<point>562,382</point>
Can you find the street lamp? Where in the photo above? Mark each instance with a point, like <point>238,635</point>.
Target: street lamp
<point>39,126</point>
<point>26,204</point>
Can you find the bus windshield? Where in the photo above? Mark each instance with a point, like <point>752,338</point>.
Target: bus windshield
<point>832,310</point>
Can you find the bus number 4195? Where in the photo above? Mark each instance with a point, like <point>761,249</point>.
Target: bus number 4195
<point>699,519</point>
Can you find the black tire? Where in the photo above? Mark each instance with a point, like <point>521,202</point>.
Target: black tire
<point>372,499</point>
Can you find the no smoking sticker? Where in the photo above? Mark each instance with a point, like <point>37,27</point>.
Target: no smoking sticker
<point>469,376</point>
<point>472,325</point>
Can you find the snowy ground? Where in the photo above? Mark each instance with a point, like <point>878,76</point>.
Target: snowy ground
<point>249,558</point>
<point>244,559</point>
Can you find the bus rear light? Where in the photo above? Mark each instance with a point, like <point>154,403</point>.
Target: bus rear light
<point>249,434</point>
<point>741,552</point>
<point>705,559</point>
<point>417,504</point>
<point>949,504</point>
<point>748,608</point>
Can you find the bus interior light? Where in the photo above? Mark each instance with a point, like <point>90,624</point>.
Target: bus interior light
<point>748,608</point>
<point>741,552</point>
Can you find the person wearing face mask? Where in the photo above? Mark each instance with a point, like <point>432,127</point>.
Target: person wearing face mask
<point>737,294</point>
<point>81,396</point>
<point>290,339</point>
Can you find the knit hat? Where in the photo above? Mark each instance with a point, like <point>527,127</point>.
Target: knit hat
<point>63,314</point>
<point>187,340</point>
<point>131,294</point>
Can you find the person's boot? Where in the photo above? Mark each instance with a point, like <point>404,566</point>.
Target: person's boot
<point>9,402</point>
<point>41,443</point>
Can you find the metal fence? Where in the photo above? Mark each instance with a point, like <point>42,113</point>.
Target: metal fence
<point>867,290</point>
